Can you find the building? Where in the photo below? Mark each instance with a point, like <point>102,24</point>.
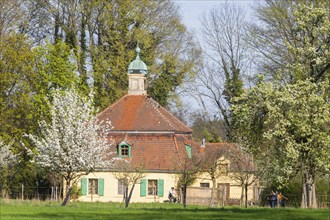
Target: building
<point>152,140</point>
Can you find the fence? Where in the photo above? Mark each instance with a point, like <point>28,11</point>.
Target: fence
<point>38,193</point>
<point>203,196</point>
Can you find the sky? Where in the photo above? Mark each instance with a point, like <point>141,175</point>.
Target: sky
<point>192,10</point>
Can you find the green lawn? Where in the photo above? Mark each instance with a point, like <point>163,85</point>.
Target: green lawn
<point>27,210</point>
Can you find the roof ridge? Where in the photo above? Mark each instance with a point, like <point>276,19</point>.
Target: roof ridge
<point>156,104</point>
<point>170,114</point>
<point>111,105</point>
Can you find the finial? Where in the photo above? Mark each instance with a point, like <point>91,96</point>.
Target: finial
<point>138,50</point>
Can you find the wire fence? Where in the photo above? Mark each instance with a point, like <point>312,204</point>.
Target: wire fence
<point>198,196</point>
<point>222,197</point>
<point>29,193</point>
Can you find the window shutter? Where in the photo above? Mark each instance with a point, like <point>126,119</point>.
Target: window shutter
<point>100,187</point>
<point>83,186</point>
<point>188,149</point>
<point>160,188</point>
<point>143,187</point>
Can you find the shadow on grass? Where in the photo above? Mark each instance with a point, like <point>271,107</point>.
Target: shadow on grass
<point>171,213</point>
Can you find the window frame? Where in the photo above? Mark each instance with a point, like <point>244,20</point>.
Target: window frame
<point>204,185</point>
<point>93,186</point>
<point>124,146</point>
<point>152,187</point>
<point>121,188</point>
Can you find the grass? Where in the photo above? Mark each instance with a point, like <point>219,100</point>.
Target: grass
<point>27,210</point>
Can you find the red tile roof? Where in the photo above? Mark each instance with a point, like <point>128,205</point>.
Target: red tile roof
<point>154,152</point>
<point>141,113</point>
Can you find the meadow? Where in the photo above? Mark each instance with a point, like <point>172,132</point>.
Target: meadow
<point>27,210</point>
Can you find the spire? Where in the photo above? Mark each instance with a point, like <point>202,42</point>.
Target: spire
<point>138,51</point>
<point>137,66</point>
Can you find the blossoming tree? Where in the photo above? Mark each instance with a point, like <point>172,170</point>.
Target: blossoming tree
<point>7,160</point>
<point>74,143</point>
<point>290,125</point>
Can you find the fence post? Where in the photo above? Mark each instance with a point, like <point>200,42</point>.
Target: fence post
<point>22,192</point>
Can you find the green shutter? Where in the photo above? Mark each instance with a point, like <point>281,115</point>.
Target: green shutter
<point>143,188</point>
<point>160,188</point>
<point>100,187</point>
<point>188,149</point>
<point>83,186</point>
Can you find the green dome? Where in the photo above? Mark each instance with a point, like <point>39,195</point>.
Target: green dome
<point>137,66</point>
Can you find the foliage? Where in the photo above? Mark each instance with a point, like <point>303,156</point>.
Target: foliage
<point>16,74</point>
<point>74,143</point>
<point>211,130</point>
<point>289,125</point>
<point>291,39</point>
<point>7,161</point>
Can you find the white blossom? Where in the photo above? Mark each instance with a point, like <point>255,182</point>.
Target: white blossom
<point>74,143</point>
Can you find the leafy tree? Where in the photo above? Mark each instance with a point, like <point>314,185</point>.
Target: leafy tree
<point>16,73</point>
<point>289,125</point>
<point>291,39</point>
<point>73,144</point>
<point>7,161</point>
<point>211,130</point>
<point>167,48</point>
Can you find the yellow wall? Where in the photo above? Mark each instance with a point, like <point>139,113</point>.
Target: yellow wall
<point>111,188</point>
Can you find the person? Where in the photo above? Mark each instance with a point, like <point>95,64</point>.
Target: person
<point>281,199</point>
<point>273,199</point>
<point>172,195</point>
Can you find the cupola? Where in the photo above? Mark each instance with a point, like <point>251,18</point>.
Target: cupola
<point>137,71</point>
<point>137,66</point>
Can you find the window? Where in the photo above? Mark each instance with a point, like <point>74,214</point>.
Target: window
<point>152,187</point>
<point>205,185</point>
<point>93,186</point>
<point>121,187</point>
<point>124,149</point>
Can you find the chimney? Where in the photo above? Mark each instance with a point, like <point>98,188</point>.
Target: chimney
<point>202,147</point>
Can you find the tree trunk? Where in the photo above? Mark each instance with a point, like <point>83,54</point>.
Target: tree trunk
<point>308,199</point>
<point>214,182</point>
<point>126,196</point>
<point>67,196</point>
<point>313,193</point>
<point>184,192</point>
<point>242,196</point>
<point>128,199</point>
<point>246,195</point>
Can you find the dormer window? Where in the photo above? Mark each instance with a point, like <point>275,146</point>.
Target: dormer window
<point>124,150</point>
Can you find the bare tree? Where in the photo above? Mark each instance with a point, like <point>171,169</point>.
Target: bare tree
<point>129,175</point>
<point>188,172</point>
<point>214,168</point>
<point>220,79</point>
<point>243,170</point>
